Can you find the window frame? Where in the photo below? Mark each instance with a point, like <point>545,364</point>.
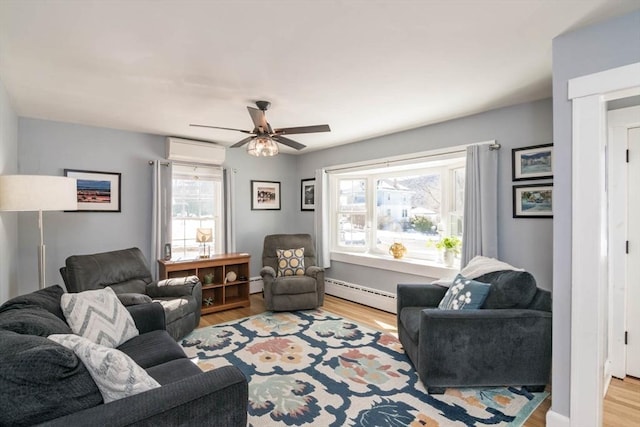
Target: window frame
<point>445,164</point>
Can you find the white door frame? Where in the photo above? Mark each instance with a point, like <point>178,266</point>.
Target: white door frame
<point>619,123</point>
<point>589,258</point>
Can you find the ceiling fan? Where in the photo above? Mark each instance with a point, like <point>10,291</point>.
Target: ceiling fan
<point>262,141</point>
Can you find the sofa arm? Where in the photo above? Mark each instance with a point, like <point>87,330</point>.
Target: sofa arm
<point>173,290</point>
<point>418,295</point>
<point>148,317</point>
<point>485,347</point>
<point>216,398</point>
<point>267,271</point>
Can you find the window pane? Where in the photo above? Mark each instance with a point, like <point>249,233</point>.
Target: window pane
<point>197,203</point>
<point>351,230</point>
<point>409,211</point>
<point>352,195</point>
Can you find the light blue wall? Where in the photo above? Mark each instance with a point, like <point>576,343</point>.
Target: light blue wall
<point>8,220</point>
<point>47,148</point>
<point>610,44</point>
<point>523,242</point>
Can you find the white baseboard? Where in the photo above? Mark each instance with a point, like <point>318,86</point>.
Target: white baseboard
<point>371,297</point>
<point>556,420</point>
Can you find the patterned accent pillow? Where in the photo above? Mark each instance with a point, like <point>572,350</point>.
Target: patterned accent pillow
<point>115,373</point>
<point>464,294</point>
<point>99,316</point>
<point>290,262</point>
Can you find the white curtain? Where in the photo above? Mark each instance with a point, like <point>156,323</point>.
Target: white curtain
<point>160,213</point>
<point>229,206</point>
<point>480,231</point>
<point>321,218</point>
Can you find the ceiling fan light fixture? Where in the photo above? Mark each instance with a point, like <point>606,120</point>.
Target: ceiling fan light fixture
<point>262,146</point>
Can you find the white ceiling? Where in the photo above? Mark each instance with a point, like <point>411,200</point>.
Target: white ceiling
<point>366,67</point>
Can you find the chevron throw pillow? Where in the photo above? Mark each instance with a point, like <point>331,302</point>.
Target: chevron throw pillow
<point>115,373</point>
<point>98,316</point>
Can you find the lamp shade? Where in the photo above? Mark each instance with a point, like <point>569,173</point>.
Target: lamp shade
<point>262,146</point>
<point>37,193</point>
<point>204,235</point>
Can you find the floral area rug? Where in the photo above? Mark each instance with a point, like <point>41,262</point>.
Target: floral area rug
<point>314,368</point>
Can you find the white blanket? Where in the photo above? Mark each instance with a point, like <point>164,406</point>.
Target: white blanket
<point>478,266</point>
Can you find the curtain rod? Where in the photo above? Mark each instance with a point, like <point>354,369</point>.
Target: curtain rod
<point>152,162</point>
<point>492,146</point>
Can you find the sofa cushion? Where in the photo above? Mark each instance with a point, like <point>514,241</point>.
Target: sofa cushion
<point>116,374</point>
<point>509,289</point>
<point>410,319</point>
<point>47,298</point>
<point>464,294</point>
<point>290,262</point>
<point>292,285</point>
<point>131,298</point>
<point>152,348</point>
<point>32,320</point>
<point>173,370</point>
<point>41,380</point>
<point>99,316</point>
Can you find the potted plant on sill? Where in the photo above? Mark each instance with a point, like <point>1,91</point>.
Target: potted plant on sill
<point>451,246</point>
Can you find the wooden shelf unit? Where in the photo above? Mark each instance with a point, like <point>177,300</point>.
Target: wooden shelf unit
<point>225,295</point>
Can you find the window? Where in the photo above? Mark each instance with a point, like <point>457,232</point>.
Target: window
<point>413,203</point>
<point>197,202</point>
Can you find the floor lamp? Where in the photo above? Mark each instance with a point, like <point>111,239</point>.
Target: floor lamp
<point>29,193</point>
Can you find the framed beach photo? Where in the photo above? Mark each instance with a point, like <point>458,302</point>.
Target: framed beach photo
<point>265,195</point>
<point>535,162</point>
<point>97,191</point>
<point>308,194</point>
<point>533,201</point>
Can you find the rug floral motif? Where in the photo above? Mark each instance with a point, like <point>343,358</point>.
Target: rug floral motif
<point>314,368</point>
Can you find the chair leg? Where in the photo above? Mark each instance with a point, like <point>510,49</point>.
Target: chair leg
<point>436,390</point>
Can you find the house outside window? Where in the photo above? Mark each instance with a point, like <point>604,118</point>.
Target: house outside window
<point>197,202</point>
<point>415,204</point>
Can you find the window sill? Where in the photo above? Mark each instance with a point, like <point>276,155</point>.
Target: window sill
<point>406,265</point>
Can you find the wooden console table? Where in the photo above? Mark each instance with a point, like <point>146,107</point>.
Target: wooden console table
<point>220,294</point>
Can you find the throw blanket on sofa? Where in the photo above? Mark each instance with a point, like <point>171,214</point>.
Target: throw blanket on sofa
<point>478,266</point>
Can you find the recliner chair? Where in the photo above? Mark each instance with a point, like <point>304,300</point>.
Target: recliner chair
<point>296,292</point>
<point>126,271</point>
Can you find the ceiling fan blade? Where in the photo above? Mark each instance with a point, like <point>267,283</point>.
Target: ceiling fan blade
<point>302,129</point>
<point>259,119</point>
<point>288,142</point>
<point>244,141</point>
<point>218,127</point>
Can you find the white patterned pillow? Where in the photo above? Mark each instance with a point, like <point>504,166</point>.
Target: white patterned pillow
<point>290,262</point>
<point>98,316</point>
<point>115,373</point>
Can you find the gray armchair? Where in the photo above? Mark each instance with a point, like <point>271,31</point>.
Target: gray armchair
<point>298,292</point>
<point>126,271</point>
<point>507,342</point>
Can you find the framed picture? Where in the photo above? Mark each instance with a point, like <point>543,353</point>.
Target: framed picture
<point>308,194</point>
<point>265,195</point>
<point>533,162</point>
<point>533,201</point>
<point>97,191</point>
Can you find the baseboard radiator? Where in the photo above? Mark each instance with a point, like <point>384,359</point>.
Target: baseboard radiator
<point>381,300</point>
<point>361,294</point>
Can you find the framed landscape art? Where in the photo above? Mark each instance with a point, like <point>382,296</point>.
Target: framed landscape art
<point>265,195</point>
<point>533,201</point>
<point>535,162</point>
<point>308,194</point>
<point>97,191</point>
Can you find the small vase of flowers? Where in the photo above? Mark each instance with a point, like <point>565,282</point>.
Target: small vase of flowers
<point>451,246</point>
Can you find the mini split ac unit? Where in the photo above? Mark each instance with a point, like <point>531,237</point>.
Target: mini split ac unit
<point>186,150</point>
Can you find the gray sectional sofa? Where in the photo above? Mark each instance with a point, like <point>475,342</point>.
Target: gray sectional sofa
<point>44,383</point>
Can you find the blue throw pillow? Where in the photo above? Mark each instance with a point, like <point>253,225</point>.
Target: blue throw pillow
<point>464,294</point>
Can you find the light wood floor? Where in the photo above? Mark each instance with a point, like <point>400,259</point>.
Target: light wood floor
<point>621,406</point>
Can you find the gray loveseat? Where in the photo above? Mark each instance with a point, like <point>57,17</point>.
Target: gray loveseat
<point>506,342</point>
<point>42,382</point>
<point>126,271</point>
